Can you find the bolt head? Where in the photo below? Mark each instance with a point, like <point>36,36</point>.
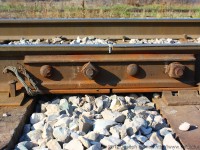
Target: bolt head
<point>132,69</point>
<point>46,71</point>
<point>175,70</point>
<point>178,71</point>
<point>89,71</point>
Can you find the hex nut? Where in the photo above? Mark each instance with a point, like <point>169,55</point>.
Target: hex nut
<point>89,70</point>
<point>175,70</point>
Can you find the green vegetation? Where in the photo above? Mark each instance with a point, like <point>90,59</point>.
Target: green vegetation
<point>62,9</point>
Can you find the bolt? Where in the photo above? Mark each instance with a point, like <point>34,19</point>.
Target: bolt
<point>178,72</point>
<point>175,70</point>
<point>12,85</point>
<point>89,70</point>
<point>132,69</point>
<point>46,71</point>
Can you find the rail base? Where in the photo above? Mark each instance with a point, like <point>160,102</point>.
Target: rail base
<point>5,100</point>
<point>183,97</point>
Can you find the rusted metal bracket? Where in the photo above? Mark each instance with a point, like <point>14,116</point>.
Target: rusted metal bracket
<point>11,98</point>
<point>182,97</point>
<point>6,100</point>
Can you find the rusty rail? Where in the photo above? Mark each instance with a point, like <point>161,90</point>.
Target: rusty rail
<point>119,68</point>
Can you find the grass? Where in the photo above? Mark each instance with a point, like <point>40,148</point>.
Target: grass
<point>49,9</point>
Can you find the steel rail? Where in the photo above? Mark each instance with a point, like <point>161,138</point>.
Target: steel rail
<point>120,67</point>
<point>98,27</point>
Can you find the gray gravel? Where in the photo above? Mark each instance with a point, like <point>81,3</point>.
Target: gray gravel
<point>91,40</point>
<point>62,40</point>
<point>64,123</point>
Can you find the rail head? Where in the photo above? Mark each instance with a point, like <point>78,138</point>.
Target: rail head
<point>101,20</point>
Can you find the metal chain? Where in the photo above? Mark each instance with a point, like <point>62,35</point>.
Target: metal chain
<point>29,91</point>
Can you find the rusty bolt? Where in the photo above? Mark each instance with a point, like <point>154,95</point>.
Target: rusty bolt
<point>46,71</point>
<point>132,69</point>
<point>175,70</point>
<point>89,70</point>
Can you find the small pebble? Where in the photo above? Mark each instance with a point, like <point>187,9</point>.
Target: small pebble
<point>84,141</point>
<point>110,141</point>
<point>74,144</point>
<point>184,126</point>
<point>6,114</point>
<point>53,145</point>
<point>169,141</point>
<point>36,117</point>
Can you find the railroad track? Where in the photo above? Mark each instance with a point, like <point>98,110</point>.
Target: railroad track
<point>100,56</point>
<point>116,66</point>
